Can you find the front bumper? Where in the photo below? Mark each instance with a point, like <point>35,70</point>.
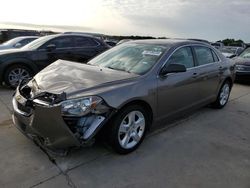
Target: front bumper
<point>242,73</point>
<point>243,76</point>
<point>44,123</point>
<point>242,70</point>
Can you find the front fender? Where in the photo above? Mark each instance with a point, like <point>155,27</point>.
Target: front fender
<point>117,98</point>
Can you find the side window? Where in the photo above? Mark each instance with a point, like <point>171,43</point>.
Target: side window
<point>216,59</point>
<point>63,42</point>
<point>85,42</point>
<point>204,55</point>
<point>183,56</point>
<point>25,41</point>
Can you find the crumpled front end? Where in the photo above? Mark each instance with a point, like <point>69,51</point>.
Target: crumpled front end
<point>39,116</point>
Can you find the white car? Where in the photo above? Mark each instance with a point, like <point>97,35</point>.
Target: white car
<point>17,42</point>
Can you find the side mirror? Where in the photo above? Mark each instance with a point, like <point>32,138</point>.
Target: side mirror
<point>173,68</point>
<point>50,47</point>
<point>17,45</point>
<point>232,56</point>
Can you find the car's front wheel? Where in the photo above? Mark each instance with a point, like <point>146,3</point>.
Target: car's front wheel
<point>14,74</point>
<point>128,128</point>
<point>223,95</point>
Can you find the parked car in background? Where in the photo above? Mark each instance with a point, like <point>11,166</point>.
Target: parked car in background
<point>242,63</point>
<point>111,43</point>
<point>17,42</point>
<point>124,91</point>
<point>18,64</point>
<point>236,50</point>
<point>8,34</point>
<point>123,41</point>
<point>217,45</point>
<point>231,51</point>
<point>228,53</point>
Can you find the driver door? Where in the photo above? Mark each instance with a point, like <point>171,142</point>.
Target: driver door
<point>62,50</point>
<point>178,91</point>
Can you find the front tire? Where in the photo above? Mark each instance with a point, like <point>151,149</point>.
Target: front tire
<point>223,95</point>
<point>14,74</point>
<point>128,128</point>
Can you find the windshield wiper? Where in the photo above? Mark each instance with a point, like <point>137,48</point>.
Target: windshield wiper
<point>123,70</point>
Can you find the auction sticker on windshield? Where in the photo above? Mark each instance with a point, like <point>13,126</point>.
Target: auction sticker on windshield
<point>154,53</point>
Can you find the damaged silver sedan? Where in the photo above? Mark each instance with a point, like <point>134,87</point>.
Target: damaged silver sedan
<point>123,91</point>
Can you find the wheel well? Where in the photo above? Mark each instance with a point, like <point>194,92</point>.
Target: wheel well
<point>14,64</point>
<point>142,103</point>
<point>19,63</point>
<point>229,80</point>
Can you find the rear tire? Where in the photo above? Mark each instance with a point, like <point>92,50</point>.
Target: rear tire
<point>223,95</point>
<point>127,129</point>
<point>15,73</point>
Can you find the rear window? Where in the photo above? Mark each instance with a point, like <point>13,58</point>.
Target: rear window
<point>204,55</point>
<point>61,42</point>
<point>85,42</point>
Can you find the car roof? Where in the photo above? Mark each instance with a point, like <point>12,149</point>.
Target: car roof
<point>75,34</point>
<point>27,37</point>
<point>169,42</point>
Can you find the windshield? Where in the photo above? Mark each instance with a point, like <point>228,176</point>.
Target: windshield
<point>38,42</point>
<point>133,58</point>
<point>245,53</point>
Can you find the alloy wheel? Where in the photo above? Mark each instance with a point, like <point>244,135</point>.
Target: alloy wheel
<point>224,94</point>
<point>16,75</point>
<point>131,129</point>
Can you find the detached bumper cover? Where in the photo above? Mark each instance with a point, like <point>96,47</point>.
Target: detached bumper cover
<point>46,124</point>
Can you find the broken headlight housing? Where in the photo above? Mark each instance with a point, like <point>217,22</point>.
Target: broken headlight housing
<point>82,106</point>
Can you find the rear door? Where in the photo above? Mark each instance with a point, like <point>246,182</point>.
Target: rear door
<point>178,91</point>
<point>44,57</point>
<point>209,70</point>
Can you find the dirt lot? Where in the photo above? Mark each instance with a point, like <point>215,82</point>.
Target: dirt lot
<point>208,149</point>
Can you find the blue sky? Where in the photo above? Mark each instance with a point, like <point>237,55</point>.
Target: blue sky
<point>211,20</point>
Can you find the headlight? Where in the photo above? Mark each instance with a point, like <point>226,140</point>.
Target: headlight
<point>240,67</point>
<point>81,106</point>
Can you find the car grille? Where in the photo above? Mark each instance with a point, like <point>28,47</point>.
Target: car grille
<point>23,108</point>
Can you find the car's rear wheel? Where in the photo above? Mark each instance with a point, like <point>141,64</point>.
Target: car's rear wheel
<point>223,95</point>
<point>14,74</point>
<point>128,128</point>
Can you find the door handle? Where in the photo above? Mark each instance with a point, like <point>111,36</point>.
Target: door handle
<point>195,75</point>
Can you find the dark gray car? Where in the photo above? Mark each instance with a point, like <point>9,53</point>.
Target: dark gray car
<point>123,91</point>
<point>242,64</point>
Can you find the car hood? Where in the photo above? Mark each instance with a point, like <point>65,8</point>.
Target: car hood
<point>241,61</point>
<point>3,47</point>
<point>70,77</point>
<point>10,51</point>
